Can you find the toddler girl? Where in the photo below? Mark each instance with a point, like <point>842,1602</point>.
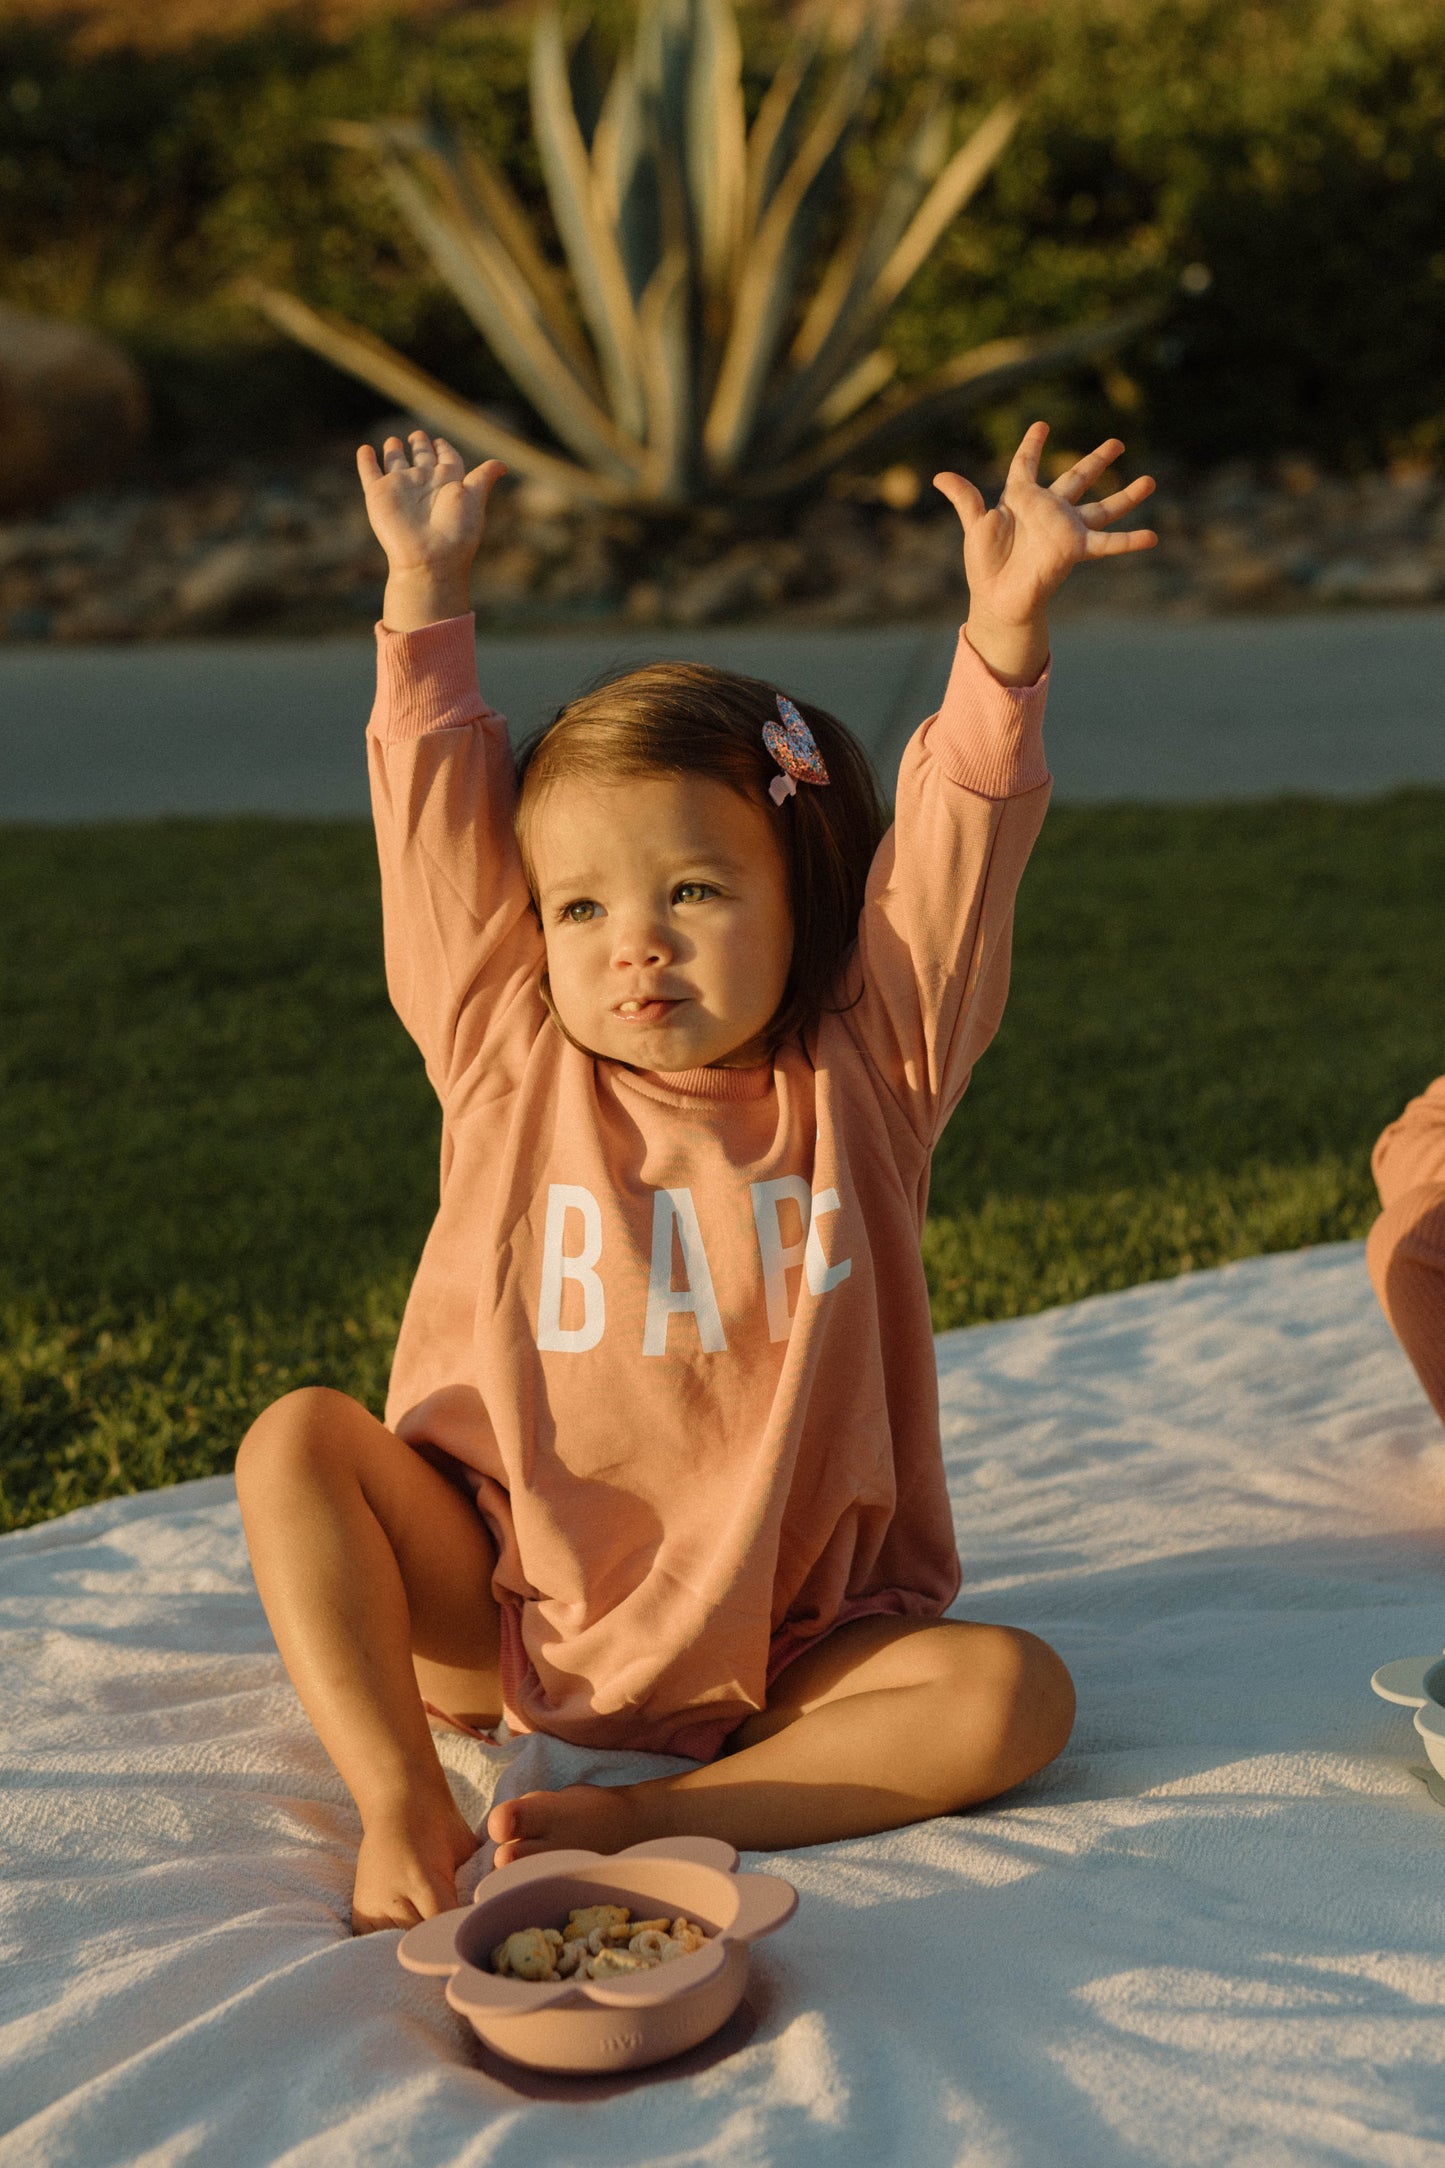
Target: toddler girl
<point>661,1461</point>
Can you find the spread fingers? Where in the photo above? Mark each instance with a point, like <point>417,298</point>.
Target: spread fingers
<point>1120,545</point>
<point>1082,475</point>
<point>1108,509</point>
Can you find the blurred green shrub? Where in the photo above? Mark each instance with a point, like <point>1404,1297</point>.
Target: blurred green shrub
<point>1296,148</point>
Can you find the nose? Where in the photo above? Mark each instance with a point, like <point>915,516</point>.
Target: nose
<point>640,939</point>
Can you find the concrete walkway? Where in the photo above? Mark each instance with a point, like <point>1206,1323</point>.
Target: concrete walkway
<point>1142,709</point>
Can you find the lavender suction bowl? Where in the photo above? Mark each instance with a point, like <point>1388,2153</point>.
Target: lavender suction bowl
<point>604,2025</point>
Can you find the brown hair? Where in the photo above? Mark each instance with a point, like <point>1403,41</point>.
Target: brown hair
<point>684,718</point>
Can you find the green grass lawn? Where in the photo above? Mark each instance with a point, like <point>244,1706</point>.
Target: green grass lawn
<point>218,1150</point>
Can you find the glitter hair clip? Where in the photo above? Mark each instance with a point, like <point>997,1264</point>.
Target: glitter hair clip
<point>795,750</point>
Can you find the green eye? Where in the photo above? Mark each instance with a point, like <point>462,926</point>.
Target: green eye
<point>577,914</point>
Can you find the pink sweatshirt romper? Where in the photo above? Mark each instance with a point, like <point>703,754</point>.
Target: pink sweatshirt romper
<point>676,1326</point>
<point>1406,1249</point>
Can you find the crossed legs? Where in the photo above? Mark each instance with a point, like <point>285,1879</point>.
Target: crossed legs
<point>888,1721</point>
<point>376,1576</point>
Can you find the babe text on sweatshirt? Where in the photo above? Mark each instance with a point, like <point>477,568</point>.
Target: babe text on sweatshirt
<point>675,1327</point>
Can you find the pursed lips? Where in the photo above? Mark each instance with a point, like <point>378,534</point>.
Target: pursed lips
<point>646,1008</point>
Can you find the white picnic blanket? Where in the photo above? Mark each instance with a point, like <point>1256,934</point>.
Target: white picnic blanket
<point>1214,1932</point>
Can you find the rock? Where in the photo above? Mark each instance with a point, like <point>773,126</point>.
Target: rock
<point>232,582</point>
<point>29,544</point>
<point>73,410</point>
<point>535,498</point>
<point>1391,508</point>
<point>1340,580</point>
<point>1405,577</point>
<point>915,588</point>
<point>585,576</point>
<point>506,575</point>
<point>899,487</point>
<point>1409,577</point>
<point>1238,581</point>
<point>646,604</point>
<point>736,582</point>
<point>1231,489</point>
<point>102,617</point>
<point>1297,474</point>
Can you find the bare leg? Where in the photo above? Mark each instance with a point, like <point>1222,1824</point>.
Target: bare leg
<point>889,1721</point>
<point>376,1577</point>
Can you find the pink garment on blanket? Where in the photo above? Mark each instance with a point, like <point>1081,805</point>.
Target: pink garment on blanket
<point>677,1325</point>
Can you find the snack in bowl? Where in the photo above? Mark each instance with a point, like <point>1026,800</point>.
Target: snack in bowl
<point>593,1948</point>
<point>652,1958</point>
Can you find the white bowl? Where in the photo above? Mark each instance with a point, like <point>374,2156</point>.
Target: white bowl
<point>1418,1683</point>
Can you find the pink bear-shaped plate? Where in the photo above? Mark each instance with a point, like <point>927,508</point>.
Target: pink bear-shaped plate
<point>604,2025</point>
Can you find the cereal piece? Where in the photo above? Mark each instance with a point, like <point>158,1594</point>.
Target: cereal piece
<point>650,1942</point>
<point>599,1942</point>
<point>608,1963</point>
<point>527,1955</point>
<point>584,1920</point>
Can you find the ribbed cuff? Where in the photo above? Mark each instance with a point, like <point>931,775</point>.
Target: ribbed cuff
<point>426,680</point>
<point>987,737</point>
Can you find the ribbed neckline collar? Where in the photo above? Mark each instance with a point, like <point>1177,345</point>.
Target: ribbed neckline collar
<point>715,1084</point>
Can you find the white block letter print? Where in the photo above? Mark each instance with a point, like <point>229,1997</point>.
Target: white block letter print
<point>779,1257</point>
<point>675,1208</point>
<point>553,1337</point>
<point>823,1277</point>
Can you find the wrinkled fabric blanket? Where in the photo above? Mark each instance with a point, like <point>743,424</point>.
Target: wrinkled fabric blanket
<point>1213,1932</point>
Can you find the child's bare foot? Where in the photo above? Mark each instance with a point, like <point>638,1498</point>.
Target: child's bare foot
<point>406,1869</point>
<point>585,1817</point>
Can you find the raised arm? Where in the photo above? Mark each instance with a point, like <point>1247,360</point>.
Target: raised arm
<point>937,926</point>
<point>463,951</point>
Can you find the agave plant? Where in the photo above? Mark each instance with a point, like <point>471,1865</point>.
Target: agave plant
<point>700,343</point>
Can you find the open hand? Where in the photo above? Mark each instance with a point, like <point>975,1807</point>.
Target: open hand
<point>1019,554</point>
<point>427,512</point>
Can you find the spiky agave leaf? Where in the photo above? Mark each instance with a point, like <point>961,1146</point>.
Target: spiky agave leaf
<point>767,286</point>
<point>624,178</point>
<point>361,354</point>
<point>603,290</point>
<point>481,193</point>
<point>715,145</point>
<point>879,222</point>
<point>909,217</point>
<point>668,385</point>
<point>985,372</point>
<point>774,134</point>
<point>486,280</point>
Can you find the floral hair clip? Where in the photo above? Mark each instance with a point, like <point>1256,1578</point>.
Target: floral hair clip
<point>795,750</point>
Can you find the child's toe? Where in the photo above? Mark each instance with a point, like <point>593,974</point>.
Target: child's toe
<point>518,1848</point>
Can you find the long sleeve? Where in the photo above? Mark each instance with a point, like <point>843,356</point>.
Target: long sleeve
<point>463,949</point>
<point>1406,1248</point>
<point>937,925</point>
